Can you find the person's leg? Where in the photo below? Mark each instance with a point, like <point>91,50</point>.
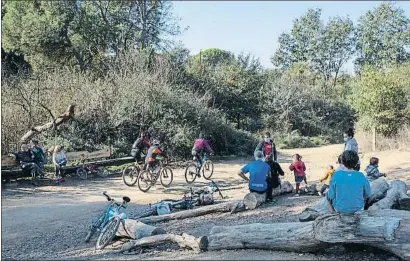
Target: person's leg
<point>322,190</point>
<point>269,190</point>
<point>57,172</point>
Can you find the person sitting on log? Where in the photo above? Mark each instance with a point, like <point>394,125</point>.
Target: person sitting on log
<point>298,167</point>
<point>59,160</point>
<point>273,177</point>
<point>326,179</point>
<point>40,157</point>
<point>349,189</point>
<point>372,170</point>
<point>258,172</point>
<point>26,159</point>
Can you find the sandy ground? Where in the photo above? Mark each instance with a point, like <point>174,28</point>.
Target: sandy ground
<point>50,222</point>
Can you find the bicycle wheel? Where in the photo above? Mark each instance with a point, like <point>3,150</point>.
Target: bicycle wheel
<point>81,173</point>
<point>102,172</point>
<point>94,226</point>
<point>145,180</point>
<point>166,176</point>
<point>190,173</point>
<point>208,169</point>
<point>130,175</point>
<point>108,233</point>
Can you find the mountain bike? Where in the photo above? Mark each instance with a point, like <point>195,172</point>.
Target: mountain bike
<point>83,169</point>
<point>108,222</point>
<point>194,168</point>
<point>147,178</point>
<point>130,173</point>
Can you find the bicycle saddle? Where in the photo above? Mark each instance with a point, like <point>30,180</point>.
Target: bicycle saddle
<point>126,199</point>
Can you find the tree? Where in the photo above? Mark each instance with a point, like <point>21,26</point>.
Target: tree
<point>380,100</point>
<point>84,33</point>
<point>325,48</point>
<point>383,37</point>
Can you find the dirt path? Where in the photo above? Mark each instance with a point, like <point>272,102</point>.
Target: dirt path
<point>49,222</point>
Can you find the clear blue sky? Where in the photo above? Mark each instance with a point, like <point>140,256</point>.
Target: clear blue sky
<point>254,26</point>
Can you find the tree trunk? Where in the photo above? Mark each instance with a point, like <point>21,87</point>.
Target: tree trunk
<point>385,229</point>
<point>60,120</point>
<point>221,207</point>
<point>184,241</point>
<point>135,230</point>
<point>253,200</point>
<point>374,139</point>
<point>396,192</point>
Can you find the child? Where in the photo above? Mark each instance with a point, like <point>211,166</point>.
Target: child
<point>298,168</point>
<point>59,160</point>
<point>326,178</point>
<point>372,170</point>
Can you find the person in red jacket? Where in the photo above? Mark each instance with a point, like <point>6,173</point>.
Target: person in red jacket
<point>298,167</point>
<point>140,145</point>
<point>267,146</point>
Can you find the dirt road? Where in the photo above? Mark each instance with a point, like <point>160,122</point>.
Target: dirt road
<point>50,222</point>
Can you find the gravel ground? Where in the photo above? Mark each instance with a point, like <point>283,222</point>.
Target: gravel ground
<point>50,222</point>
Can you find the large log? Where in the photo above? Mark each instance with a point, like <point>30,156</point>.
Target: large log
<point>396,192</point>
<point>221,207</point>
<point>135,229</point>
<point>384,229</point>
<point>253,200</point>
<point>58,121</point>
<point>184,241</point>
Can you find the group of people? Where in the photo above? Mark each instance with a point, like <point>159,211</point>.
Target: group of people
<point>152,150</point>
<point>32,157</point>
<point>347,188</point>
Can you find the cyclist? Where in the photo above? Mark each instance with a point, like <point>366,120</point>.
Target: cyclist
<point>151,158</point>
<point>198,149</point>
<point>138,147</point>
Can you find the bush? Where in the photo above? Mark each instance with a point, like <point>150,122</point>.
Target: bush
<point>294,140</point>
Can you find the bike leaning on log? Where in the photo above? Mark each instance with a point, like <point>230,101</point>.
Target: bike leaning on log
<point>147,178</point>
<point>198,165</point>
<point>108,222</point>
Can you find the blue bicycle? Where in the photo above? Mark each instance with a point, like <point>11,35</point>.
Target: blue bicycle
<point>108,222</point>
<point>198,165</point>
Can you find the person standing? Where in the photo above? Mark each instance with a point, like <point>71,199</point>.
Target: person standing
<point>267,146</point>
<point>298,167</point>
<point>273,177</point>
<point>351,144</point>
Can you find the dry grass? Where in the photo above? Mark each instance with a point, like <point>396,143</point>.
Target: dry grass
<point>401,141</point>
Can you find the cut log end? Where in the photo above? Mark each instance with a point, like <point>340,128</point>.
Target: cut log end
<point>253,200</point>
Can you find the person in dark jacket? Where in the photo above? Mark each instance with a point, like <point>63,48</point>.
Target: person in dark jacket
<point>26,159</point>
<point>372,170</point>
<point>267,146</point>
<point>273,177</point>
<point>138,147</point>
<point>40,157</point>
<point>151,158</point>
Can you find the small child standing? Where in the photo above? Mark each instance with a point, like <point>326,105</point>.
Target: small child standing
<point>298,167</point>
<point>372,170</point>
<point>326,178</point>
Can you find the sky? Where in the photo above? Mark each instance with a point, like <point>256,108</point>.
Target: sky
<point>254,26</point>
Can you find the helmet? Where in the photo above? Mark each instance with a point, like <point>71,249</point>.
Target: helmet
<point>155,142</point>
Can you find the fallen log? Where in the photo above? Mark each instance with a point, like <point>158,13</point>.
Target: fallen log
<point>379,188</point>
<point>221,207</point>
<point>184,241</point>
<point>135,229</point>
<point>58,121</point>
<point>396,192</point>
<point>253,200</point>
<point>384,229</point>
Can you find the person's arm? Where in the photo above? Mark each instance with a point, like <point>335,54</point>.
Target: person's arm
<point>304,166</point>
<point>376,173</point>
<point>275,153</point>
<point>367,188</point>
<point>324,176</point>
<point>331,195</point>
<point>291,167</point>
<point>259,146</point>
<point>207,147</point>
<point>243,171</point>
<point>280,170</point>
<point>54,159</point>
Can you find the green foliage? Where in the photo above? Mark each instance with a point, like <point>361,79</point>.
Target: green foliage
<point>294,139</point>
<point>380,100</point>
<point>383,37</point>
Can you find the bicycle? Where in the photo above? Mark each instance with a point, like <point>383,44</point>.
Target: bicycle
<point>150,176</point>
<point>193,170</point>
<point>130,173</point>
<point>108,222</point>
<point>83,169</point>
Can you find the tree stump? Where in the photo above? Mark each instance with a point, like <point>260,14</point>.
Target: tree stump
<point>253,200</point>
<point>379,188</point>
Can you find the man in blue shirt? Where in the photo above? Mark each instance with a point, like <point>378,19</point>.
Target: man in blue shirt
<point>348,189</point>
<point>258,171</point>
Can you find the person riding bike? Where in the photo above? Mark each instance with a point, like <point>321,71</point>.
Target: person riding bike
<point>200,145</point>
<point>138,147</point>
<point>151,158</point>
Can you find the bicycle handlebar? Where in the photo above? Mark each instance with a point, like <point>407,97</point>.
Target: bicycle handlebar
<point>108,197</point>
